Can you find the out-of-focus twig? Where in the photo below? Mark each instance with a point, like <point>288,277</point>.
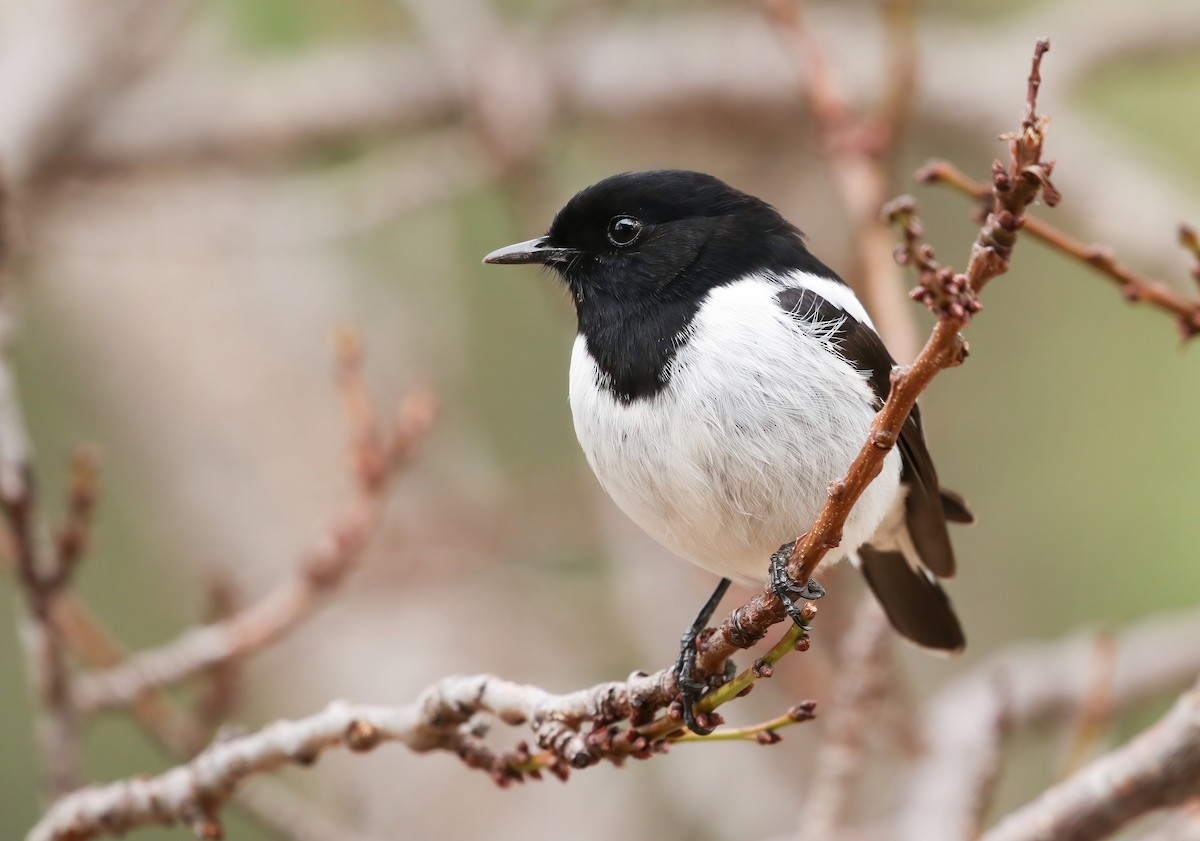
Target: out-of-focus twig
<point>859,149</point>
<point>862,149</point>
<point>1096,711</point>
<point>62,61</point>
<point>864,674</point>
<point>39,575</point>
<point>1024,686</point>
<point>221,689</point>
<point>42,570</point>
<point>377,458</point>
<point>1135,286</point>
<point>1158,769</point>
<point>1189,239</point>
<point>231,105</point>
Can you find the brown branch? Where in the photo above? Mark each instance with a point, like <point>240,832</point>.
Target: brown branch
<point>1135,286</point>
<point>377,459</point>
<point>573,731</point>
<point>952,297</point>
<point>1158,769</point>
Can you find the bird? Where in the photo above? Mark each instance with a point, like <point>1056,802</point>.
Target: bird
<point>721,378</point>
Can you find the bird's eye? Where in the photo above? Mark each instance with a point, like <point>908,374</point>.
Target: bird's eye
<point>624,230</point>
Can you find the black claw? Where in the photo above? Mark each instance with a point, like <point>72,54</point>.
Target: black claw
<point>783,586</point>
<point>811,591</point>
<point>691,691</point>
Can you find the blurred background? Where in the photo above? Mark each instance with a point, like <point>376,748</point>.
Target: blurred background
<point>202,193</point>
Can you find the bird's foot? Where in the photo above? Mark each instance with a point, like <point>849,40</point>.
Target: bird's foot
<point>785,588</point>
<point>693,687</point>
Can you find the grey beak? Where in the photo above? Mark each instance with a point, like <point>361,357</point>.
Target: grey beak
<point>530,251</point>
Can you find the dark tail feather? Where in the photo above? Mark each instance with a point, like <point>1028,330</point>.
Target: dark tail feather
<point>913,601</point>
<point>955,507</point>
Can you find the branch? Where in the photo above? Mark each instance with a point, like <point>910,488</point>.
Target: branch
<point>40,575</point>
<point>858,149</point>
<point>378,459</point>
<point>440,719</point>
<point>965,723</point>
<point>1159,768</point>
<point>864,670</point>
<point>952,298</point>
<point>1136,287</point>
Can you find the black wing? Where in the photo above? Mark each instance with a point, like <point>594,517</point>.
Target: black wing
<point>925,513</point>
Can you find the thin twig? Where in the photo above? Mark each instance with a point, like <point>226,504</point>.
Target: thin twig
<point>1135,286</point>
<point>765,732</point>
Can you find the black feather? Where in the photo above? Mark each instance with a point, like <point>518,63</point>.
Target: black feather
<point>914,603</point>
<point>861,346</point>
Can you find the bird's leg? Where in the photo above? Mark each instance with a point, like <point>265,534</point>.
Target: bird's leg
<point>690,689</point>
<point>783,586</point>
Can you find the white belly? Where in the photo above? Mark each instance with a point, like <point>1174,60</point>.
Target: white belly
<point>734,456</point>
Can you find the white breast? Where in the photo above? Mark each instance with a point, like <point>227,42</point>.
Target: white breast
<point>734,456</point>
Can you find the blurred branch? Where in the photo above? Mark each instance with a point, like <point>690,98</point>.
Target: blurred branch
<point>378,458</point>
<point>864,676</point>
<point>1136,287</point>
<point>964,723</point>
<point>495,74</point>
<point>1159,768</point>
<point>1182,825</point>
<point>859,150</point>
<point>222,682</point>
<point>62,60</point>
<point>253,107</point>
<point>1096,711</point>
<point>182,735</point>
<point>40,574</point>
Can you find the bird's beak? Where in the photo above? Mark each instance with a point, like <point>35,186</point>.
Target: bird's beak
<point>531,251</point>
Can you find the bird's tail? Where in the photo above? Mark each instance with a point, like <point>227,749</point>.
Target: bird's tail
<point>912,598</point>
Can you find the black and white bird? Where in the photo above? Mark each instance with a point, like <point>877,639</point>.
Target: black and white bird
<point>723,377</point>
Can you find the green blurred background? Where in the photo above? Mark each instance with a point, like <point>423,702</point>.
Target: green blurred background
<point>1071,429</point>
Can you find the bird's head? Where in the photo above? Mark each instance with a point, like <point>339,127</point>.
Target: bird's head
<point>662,236</point>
